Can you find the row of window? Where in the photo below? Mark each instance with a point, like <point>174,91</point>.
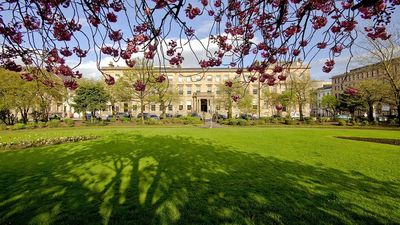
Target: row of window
<point>209,78</point>
<point>170,107</point>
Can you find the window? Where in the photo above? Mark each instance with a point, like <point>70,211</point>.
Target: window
<point>180,107</point>
<point>255,106</point>
<point>226,77</point>
<point>218,107</point>
<point>180,79</point>
<point>198,78</point>
<point>209,88</point>
<point>134,107</point>
<point>209,78</point>
<point>189,90</point>
<point>198,88</point>
<point>161,108</point>
<point>153,107</point>
<point>125,107</point>
<point>189,105</point>
<point>169,107</point>
<point>143,107</point>
<point>170,78</point>
<point>188,79</point>
<point>180,89</point>
<point>218,78</point>
<point>255,91</point>
<point>218,91</point>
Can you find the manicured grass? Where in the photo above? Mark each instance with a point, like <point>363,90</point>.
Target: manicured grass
<point>202,176</point>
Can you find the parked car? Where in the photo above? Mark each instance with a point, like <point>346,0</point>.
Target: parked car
<point>154,116</point>
<point>169,115</point>
<point>222,116</point>
<point>54,117</point>
<point>145,116</point>
<point>196,115</point>
<point>343,117</point>
<point>247,117</point>
<point>382,119</point>
<point>178,116</point>
<point>121,115</point>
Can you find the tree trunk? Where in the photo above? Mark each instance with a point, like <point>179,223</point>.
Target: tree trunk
<point>24,115</point>
<point>142,110</point>
<point>301,111</point>
<point>162,105</point>
<point>230,110</point>
<point>259,97</point>
<point>370,111</point>
<point>398,111</point>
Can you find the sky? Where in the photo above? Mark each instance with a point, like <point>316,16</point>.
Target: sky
<point>202,26</point>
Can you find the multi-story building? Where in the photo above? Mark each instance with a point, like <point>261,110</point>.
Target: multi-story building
<point>354,76</point>
<point>199,90</point>
<point>316,108</point>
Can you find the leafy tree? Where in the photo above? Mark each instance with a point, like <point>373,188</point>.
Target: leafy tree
<point>350,100</point>
<point>301,88</point>
<point>17,94</point>
<point>329,103</point>
<point>90,96</point>
<point>231,93</point>
<point>48,32</point>
<point>245,104</point>
<point>163,94</point>
<point>372,91</point>
<point>385,56</point>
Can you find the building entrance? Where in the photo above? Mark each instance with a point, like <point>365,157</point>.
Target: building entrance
<point>203,105</point>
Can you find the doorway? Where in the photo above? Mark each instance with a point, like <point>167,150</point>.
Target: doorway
<point>203,105</point>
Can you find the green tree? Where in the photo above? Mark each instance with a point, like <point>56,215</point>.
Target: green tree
<point>329,103</point>
<point>372,91</point>
<point>230,91</point>
<point>245,104</point>
<point>350,101</point>
<point>301,88</point>
<point>90,96</point>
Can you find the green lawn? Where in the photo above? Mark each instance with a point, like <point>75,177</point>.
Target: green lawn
<point>201,176</point>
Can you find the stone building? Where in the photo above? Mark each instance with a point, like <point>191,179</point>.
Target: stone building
<point>199,91</point>
<point>354,76</point>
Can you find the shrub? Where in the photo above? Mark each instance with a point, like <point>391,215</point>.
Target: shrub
<point>242,122</point>
<point>191,120</point>
<point>152,121</point>
<point>365,123</point>
<point>69,122</point>
<point>289,122</point>
<point>125,120</point>
<point>309,121</point>
<point>53,123</point>
<point>261,121</point>
<point>19,126</point>
<point>394,122</point>
<point>274,120</point>
<point>41,124</point>
<point>31,125</point>
<point>3,126</point>
<point>341,122</point>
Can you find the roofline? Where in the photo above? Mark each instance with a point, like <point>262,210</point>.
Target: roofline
<point>193,69</point>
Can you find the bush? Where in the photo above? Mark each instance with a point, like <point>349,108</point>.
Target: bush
<point>3,126</point>
<point>41,124</point>
<point>341,122</point>
<point>69,122</point>
<point>274,120</point>
<point>53,123</point>
<point>242,122</point>
<point>394,122</point>
<point>191,120</point>
<point>309,121</point>
<point>125,120</point>
<point>152,121</point>
<point>365,123</point>
<point>19,126</point>
<point>31,125</point>
<point>289,122</point>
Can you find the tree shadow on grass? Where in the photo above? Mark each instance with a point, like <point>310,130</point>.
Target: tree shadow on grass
<point>135,179</point>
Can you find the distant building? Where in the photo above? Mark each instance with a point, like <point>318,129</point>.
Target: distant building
<point>316,108</point>
<point>373,71</point>
<point>199,90</point>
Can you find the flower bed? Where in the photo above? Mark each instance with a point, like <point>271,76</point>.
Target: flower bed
<point>376,140</point>
<point>43,142</point>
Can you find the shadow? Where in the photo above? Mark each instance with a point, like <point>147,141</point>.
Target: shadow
<point>135,179</point>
